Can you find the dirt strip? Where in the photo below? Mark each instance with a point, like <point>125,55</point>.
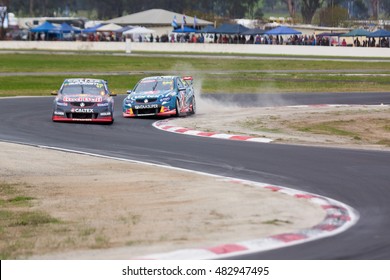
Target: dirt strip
<point>108,209</point>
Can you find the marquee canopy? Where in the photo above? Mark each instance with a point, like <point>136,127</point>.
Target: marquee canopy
<point>283,30</point>
<point>46,27</point>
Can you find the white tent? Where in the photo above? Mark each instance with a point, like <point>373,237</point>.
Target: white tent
<point>157,17</point>
<point>111,27</point>
<point>139,30</point>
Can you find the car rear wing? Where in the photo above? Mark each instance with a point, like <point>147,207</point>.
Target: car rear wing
<point>188,79</point>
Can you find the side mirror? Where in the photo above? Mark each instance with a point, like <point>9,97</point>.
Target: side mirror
<point>54,92</point>
<point>129,91</point>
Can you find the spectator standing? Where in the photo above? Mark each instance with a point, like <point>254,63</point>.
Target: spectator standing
<point>257,39</point>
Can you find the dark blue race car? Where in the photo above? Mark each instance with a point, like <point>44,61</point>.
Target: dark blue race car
<point>84,100</point>
<point>161,96</point>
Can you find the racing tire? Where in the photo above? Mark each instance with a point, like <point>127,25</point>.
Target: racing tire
<point>112,114</point>
<point>178,109</point>
<point>193,106</point>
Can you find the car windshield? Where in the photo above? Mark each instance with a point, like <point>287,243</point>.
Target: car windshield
<point>96,89</point>
<point>154,85</point>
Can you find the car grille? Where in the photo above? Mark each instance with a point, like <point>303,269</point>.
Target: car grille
<point>82,115</point>
<point>86,104</point>
<point>142,100</point>
<point>151,111</point>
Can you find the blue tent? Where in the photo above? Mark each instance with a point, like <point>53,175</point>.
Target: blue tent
<point>207,29</point>
<point>356,33</point>
<point>329,34</point>
<point>185,29</point>
<point>92,29</point>
<point>228,28</point>
<point>66,28</point>
<point>282,30</point>
<point>380,33</point>
<point>254,31</point>
<point>46,27</point>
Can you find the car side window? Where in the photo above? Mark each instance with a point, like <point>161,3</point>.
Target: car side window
<point>179,84</point>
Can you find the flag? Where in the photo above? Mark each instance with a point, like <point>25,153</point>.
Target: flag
<point>174,22</point>
<point>195,22</point>
<point>5,24</point>
<point>3,17</point>
<point>184,22</point>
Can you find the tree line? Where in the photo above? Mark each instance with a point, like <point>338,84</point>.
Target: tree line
<point>107,9</point>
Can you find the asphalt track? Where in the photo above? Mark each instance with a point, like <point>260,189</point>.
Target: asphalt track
<point>359,178</point>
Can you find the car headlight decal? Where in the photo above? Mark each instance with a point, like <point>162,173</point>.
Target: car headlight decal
<point>129,100</point>
<point>165,99</point>
<point>61,103</point>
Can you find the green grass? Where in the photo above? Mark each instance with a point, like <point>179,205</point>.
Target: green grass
<point>260,83</point>
<point>330,128</point>
<point>214,75</point>
<point>384,142</point>
<point>14,63</point>
<point>20,200</point>
<point>223,83</point>
<point>33,218</point>
<point>44,85</point>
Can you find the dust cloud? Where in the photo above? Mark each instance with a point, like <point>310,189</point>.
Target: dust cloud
<point>264,96</point>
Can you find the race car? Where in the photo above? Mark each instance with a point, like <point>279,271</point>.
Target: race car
<point>161,96</point>
<point>84,100</point>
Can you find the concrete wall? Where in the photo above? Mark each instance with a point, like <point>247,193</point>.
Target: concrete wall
<point>197,48</point>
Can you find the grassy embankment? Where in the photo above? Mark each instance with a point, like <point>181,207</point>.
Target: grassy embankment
<point>219,74</point>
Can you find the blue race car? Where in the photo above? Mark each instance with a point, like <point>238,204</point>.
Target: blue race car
<point>161,96</point>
